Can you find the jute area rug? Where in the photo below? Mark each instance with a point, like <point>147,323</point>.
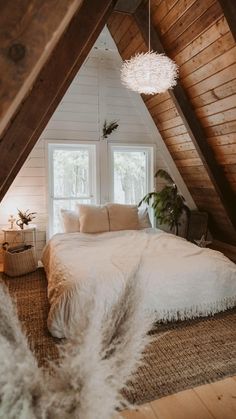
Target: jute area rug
<point>182,355</point>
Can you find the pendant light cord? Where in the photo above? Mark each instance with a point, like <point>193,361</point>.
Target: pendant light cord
<point>149,23</point>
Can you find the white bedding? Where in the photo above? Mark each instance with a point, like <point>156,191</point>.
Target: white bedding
<point>182,280</point>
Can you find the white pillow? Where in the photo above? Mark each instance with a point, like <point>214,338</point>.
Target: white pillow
<point>144,220</point>
<point>93,218</point>
<point>123,217</point>
<point>70,221</point>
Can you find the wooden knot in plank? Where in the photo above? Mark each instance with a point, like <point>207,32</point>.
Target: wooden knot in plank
<point>16,52</point>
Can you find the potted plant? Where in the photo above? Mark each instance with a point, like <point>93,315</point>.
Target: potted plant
<point>25,218</point>
<point>168,204</point>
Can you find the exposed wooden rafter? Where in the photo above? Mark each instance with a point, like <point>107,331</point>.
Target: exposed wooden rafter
<point>50,86</point>
<point>127,6</point>
<point>193,126</point>
<point>26,45</point>
<point>229,9</point>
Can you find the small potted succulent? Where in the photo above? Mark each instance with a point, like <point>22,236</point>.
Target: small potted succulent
<point>25,218</point>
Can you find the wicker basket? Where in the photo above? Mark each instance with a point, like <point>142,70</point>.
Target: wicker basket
<point>19,260</point>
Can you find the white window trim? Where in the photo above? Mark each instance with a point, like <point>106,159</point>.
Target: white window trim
<point>50,145</point>
<point>150,148</point>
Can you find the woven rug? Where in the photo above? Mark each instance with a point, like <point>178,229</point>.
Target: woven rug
<point>181,355</point>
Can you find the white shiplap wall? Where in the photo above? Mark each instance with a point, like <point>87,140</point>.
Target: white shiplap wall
<point>95,94</point>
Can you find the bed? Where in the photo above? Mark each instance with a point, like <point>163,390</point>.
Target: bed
<point>183,281</point>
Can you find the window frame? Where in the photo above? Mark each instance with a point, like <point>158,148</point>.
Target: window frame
<point>151,157</point>
<point>93,172</point>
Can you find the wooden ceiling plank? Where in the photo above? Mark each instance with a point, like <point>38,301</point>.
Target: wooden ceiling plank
<point>229,9</point>
<point>50,86</point>
<point>193,127</point>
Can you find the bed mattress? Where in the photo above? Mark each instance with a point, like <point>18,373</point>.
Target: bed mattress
<point>182,280</point>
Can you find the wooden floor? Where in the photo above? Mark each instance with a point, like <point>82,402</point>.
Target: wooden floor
<point>211,401</point>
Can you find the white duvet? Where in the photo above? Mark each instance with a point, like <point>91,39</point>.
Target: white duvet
<point>182,281</point>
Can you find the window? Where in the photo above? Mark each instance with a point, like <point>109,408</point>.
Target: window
<point>131,173</point>
<point>72,174</point>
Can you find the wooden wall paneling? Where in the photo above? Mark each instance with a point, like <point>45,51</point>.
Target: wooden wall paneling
<point>195,161</point>
<point>219,118</point>
<point>174,44</point>
<point>217,79</point>
<point>170,123</point>
<point>124,23</point>
<point>178,139</point>
<point>194,128</point>
<point>188,17</point>
<point>136,45</point>
<point>185,155</point>
<point>181,129</point>
<point>51,84</point>
<point>198,183</point>
<point>160,12</point>
<point>115,23</point>
<point>221,129</point>
<point>223,139</point>
<point>216,107</point>
<point>167,105</point>
<point>153,100</point>
<point>175,14</point>
<point>229,9</point>
<point>215,94</point>
<point>129,35</point>
<point>166,115</point>
<point>206,38</point>
<point>214,50</point>
<point>186,146</point>
<point>210,68</point>
<point>225,149</point>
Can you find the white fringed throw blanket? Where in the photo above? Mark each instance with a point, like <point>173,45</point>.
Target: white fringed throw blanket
<point>182,280</point>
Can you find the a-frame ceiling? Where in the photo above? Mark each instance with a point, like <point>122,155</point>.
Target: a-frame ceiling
<point>197,119</point>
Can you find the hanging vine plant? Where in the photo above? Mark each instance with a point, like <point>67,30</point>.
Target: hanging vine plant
<point>108,128</point>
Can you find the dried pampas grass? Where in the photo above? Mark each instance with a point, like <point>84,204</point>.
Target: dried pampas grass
<point>103,348</point>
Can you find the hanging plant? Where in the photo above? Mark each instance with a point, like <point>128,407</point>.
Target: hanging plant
<point>108,128</point>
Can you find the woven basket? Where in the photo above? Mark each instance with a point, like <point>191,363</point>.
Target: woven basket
<point>19,263</point>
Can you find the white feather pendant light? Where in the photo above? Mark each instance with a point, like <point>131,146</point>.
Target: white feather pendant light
<point>150,72</point>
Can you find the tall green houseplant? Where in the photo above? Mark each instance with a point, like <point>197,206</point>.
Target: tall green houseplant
<point>168,204</point>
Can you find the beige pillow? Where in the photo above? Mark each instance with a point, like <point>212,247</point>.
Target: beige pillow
<point>144,220</point>
<point>123,217</point>
<point>93,218</point>
<point>70,220</point>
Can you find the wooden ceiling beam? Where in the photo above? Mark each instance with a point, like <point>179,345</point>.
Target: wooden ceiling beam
<point>50,86</point>
<point>193,126</point>
<point>127,6</point>
<point>26,44</point>
<point>229,9</point>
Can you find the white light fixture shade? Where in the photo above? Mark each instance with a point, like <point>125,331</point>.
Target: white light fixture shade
<point>149,73</point>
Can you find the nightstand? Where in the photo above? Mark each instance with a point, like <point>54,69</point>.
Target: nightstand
<point>27,235</point>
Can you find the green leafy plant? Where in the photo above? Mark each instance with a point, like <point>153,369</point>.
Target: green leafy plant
<point>168,204</point>
<point>108,128</point>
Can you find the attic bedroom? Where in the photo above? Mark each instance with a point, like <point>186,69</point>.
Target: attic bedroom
<point>118,209</point>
